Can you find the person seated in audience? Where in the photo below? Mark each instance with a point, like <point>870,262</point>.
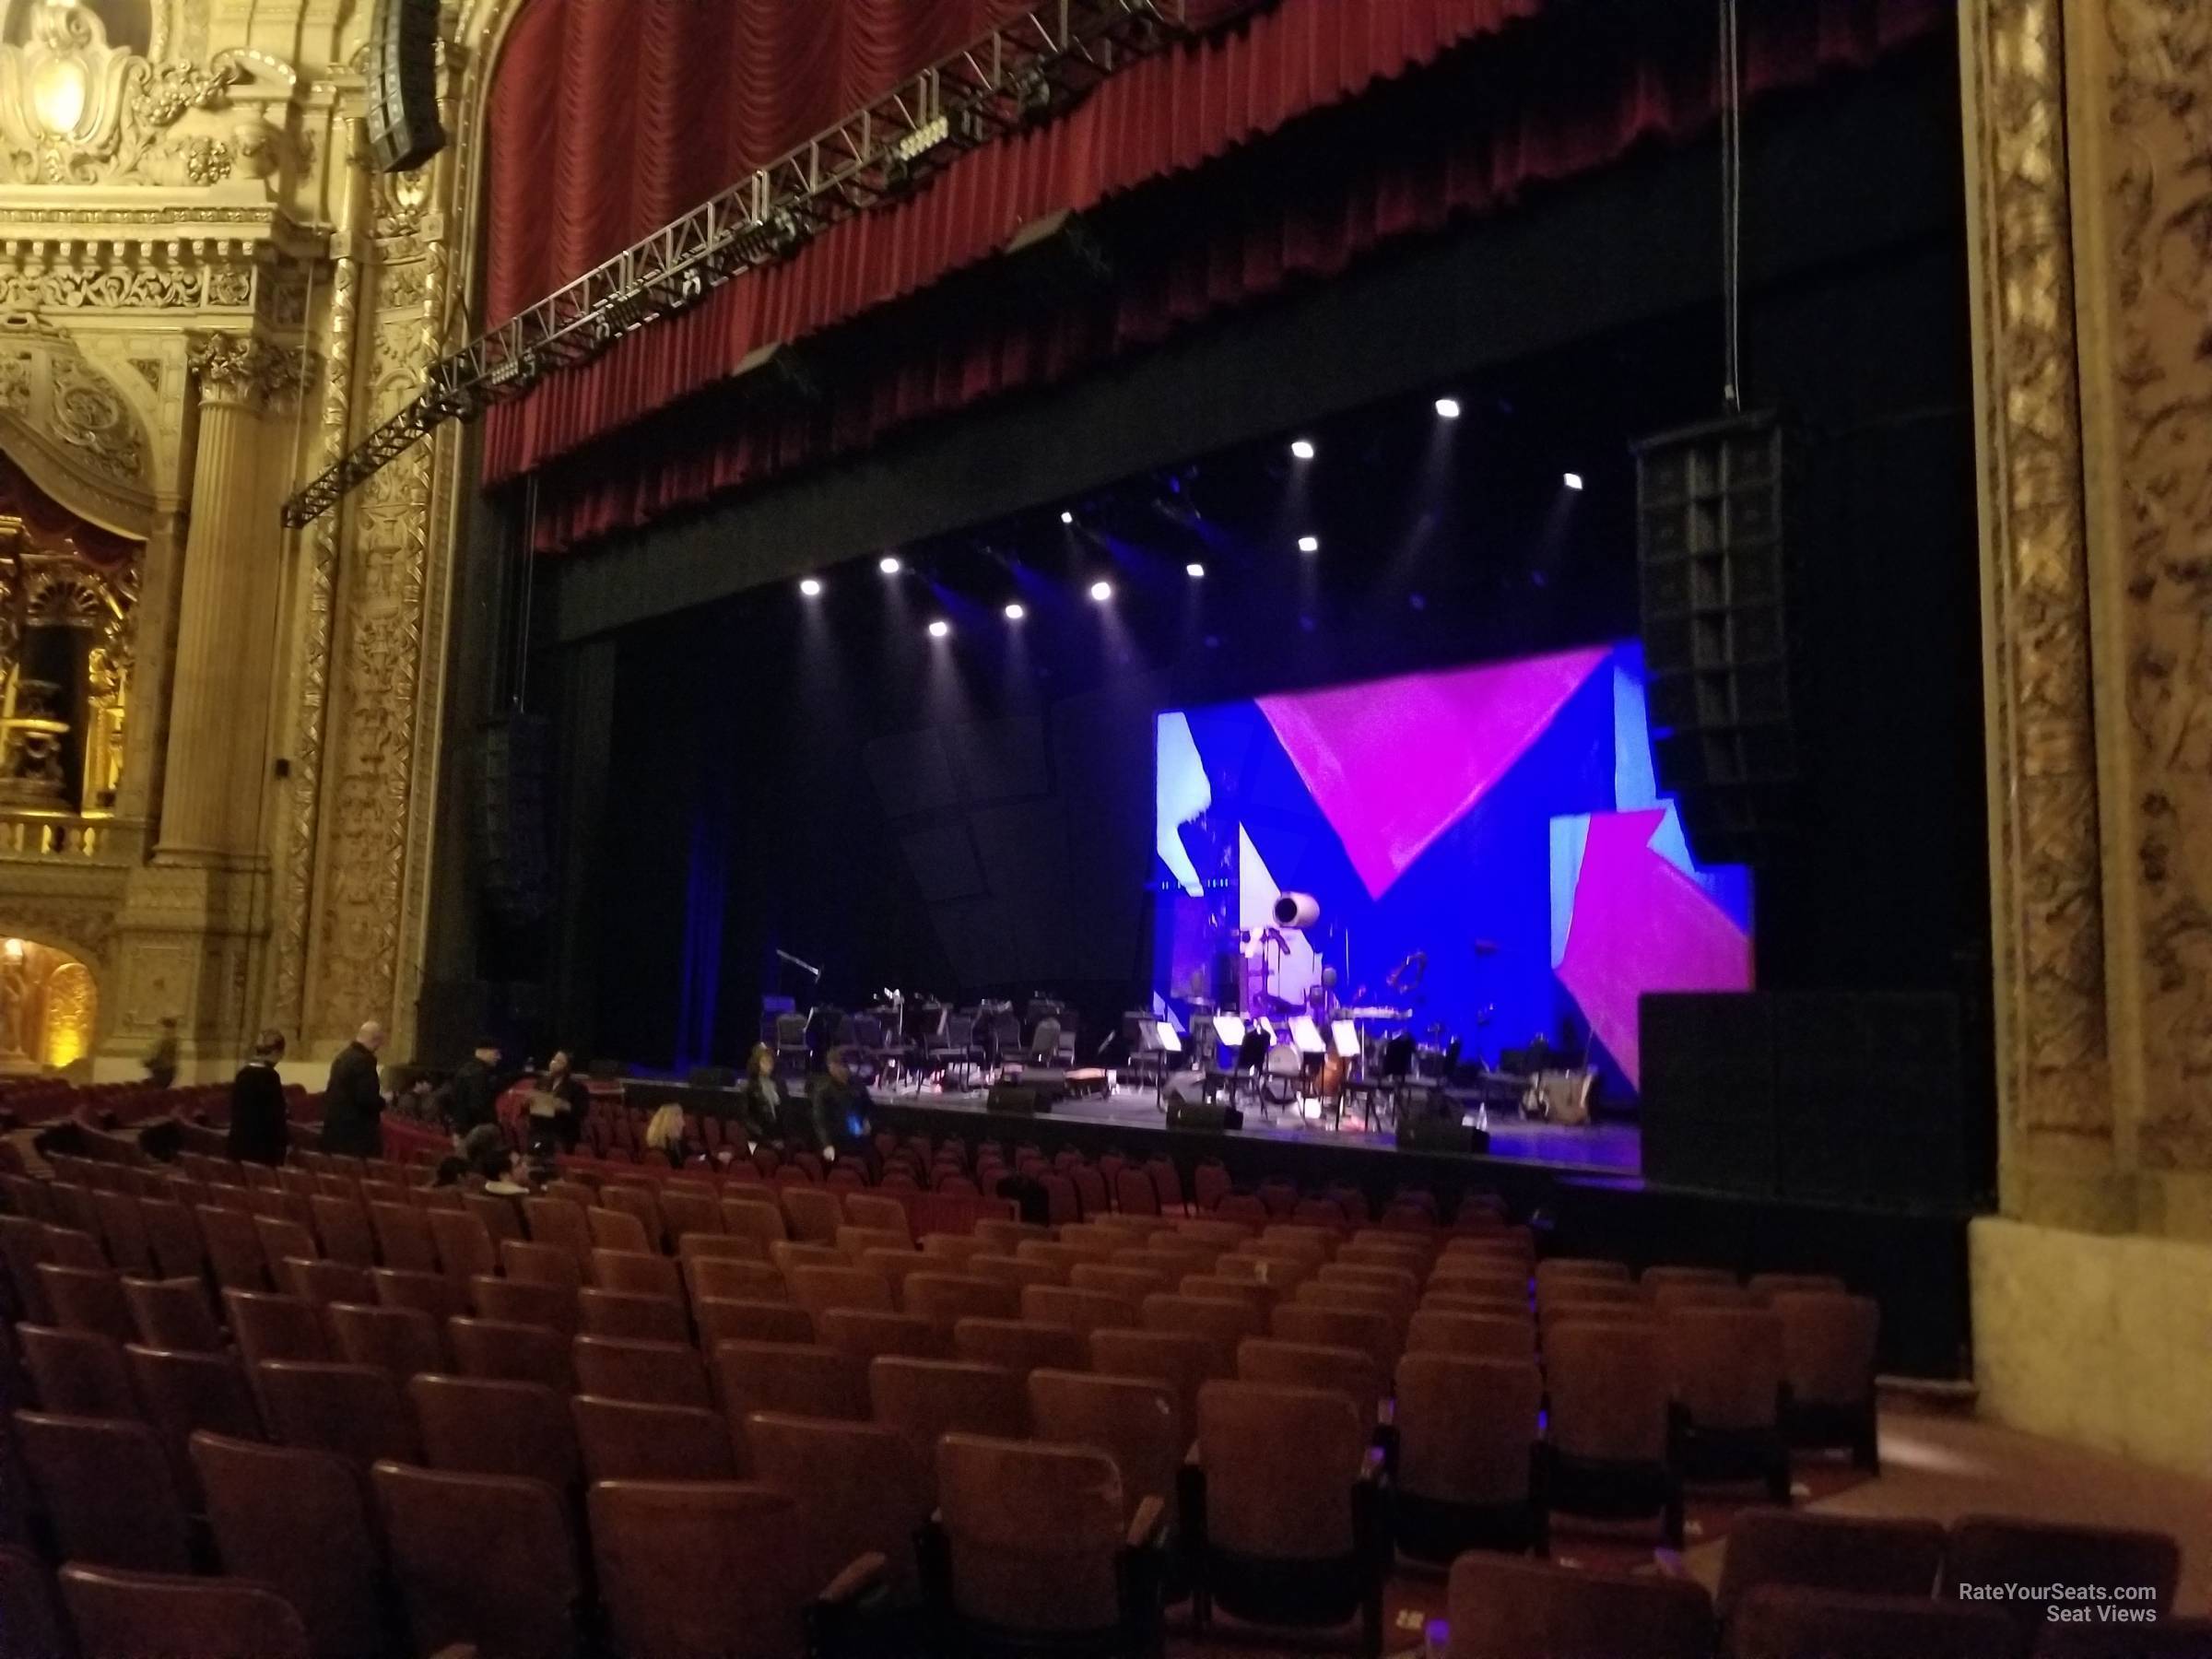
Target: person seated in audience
<point>840,1109</point>
<point>257,1115</point>
<point>760,1102</point>
<point>664,1135</point>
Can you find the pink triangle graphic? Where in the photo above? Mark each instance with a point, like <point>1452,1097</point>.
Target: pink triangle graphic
<point>1395,763</point>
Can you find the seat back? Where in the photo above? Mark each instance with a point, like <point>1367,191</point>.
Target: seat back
<point>514,1353</point>
<point>1724,1365</point>
<point>659,1374</point>
<point>437,1294</point>
<point>34,1626</point>
<point>343,1224</point>
<point>84,1298</point>
<point>862,1486</point>
<point>559,1224</point>
<point>403,1238</point>
<point>1225,1324</point>
<point>298,1521</point>
<point>632,1318</point>
<point>790,1377</point>
<point>619,1228</point>
<point>107,1489</point>
<point>1034,1532</point>
<point>184,1393</point>
<point>735,1279</point>
<point>1379,1336</point>
<point>1081,1309</point>
<point>1467,1427</point>
<point>76,1373</point>
<point>638,1273</point>
<point>400,1341</point>
<point>625,1440</point>
<point>1185,1363</point>
<point>702,1566</point>
<point>173,1313</point>
<point>1865,1556</point>
<point>1280,1468</point>
<point>130,1614</point>
<point>864,1334</point>
<point>1136,1421</point>
<point>275,1327</point>
<point>525,1301</point>
<point>1781,1621</point>
<point>1828,1345</point>
<point>1349,1370</point>
<point>1608,1391</point>
<point>481,1560</point>
<point>537,1263</point>
<point>814,1213</point>
<point>1503,1608</point>
<point>924,1399</point>
<point>233,1248</point>
<point>747,1321</point>
<point>356,1411</point>
<point>1019,1346</point>
<point>476,1425</point>
<point>1470,1336</point>
<point>820,1288</point>
<point>946,1299</point>
<point>323,1283</point>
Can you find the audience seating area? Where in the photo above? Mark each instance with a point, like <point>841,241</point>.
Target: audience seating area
<point>326,1410</point>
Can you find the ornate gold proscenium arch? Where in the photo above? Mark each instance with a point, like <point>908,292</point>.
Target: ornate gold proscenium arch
<point>49,1008</point>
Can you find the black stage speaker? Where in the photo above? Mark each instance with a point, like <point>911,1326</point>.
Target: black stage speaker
<point>1021,1099</point>
<point>403,127</point>
<point>1711,554</point>
<point>1708,1109</point>
<point>513,803</point>
<point>1207,1120</point>
<point>1440,1135</point>
<point>1846,1097</point>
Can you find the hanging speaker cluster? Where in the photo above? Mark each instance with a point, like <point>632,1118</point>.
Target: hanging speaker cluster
<point>403,127</point>
<point>1712,552</point>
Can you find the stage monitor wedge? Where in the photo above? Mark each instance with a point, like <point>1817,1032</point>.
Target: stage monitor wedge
<point>1713,544</point>
<point>403,127</point>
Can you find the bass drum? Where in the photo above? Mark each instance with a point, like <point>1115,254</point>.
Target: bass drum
<point>1281,1074</point>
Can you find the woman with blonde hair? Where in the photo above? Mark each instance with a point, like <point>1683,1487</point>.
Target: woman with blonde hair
<point>665,1133</point>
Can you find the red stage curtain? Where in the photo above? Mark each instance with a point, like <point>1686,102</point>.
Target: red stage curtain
<point>579,173</point>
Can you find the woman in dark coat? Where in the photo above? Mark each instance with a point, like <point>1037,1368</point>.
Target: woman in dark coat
<point>258,1134</point>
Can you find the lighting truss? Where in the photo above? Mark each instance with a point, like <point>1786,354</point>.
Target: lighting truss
<point>1022,72</point>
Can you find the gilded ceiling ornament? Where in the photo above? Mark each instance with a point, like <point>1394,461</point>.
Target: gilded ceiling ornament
<point>77,109</point>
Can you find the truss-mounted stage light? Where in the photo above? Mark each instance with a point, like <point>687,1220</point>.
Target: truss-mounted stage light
<point>1447,408</point>
<point>1571,480</point>
<point>940,629</point>
<point>1309,543</point>
<point>1100,591</point>
<point>1303,449</point>
<point>888,564</point>
<point>1067,517</point>
<point>811,586</point>
<point>1015,611</point>
<point>1195,571</point>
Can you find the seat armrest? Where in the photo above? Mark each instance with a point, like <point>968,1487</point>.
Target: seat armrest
<point>861,1575</point>
<point>1147,1525</point>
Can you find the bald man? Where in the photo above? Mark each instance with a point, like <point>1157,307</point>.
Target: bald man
<point>353,1103</point>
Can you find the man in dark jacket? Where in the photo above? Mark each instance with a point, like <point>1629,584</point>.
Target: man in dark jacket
<point>257,1117</point>
<point>472,1093</point>
<point>353,1103</point>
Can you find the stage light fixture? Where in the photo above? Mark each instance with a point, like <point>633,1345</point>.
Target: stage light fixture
<point>1309,543</point>
<point>1100,591</point>
<point>1447,408</point>
<point>1067,517</point>
<point>811,586</point>
<point>1303,449</point>
<point>1572,481</point>
<point>940,629</point>
<point>1195,571</point>
<point>888,564</point>
<point>1016,612</point>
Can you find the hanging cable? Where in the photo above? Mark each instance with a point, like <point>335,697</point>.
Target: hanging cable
<point>1731,90</point>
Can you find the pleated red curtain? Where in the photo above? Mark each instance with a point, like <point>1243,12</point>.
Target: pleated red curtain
<point>609,119</point>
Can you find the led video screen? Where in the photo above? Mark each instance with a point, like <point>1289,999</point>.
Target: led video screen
<point>1484,849</point>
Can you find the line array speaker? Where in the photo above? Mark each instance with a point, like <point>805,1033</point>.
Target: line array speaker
<point>1711,553</point>
<point>514,805</point>
<point>403,127</point>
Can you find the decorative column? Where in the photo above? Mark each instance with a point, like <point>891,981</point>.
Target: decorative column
<point>219,701</point>
<point>2088,133</point>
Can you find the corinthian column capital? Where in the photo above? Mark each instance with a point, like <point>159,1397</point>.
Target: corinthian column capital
<point>244,371</point>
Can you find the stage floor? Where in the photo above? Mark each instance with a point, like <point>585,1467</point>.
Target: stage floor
<point>1601,1148</point>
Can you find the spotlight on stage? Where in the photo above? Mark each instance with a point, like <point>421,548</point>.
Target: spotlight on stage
<point>888,564</point>
<point>1195,571</point>
<point>1067,517</point>
<point>1100,591</point>
<point>1303,449</point>
<point>940,629</point>
<point>1572,481</point>
<point>811,586</point>
<point>1447,408</point>
<point>1016,612</point>
<point>1309,543</point>
<point>1296,910</point>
